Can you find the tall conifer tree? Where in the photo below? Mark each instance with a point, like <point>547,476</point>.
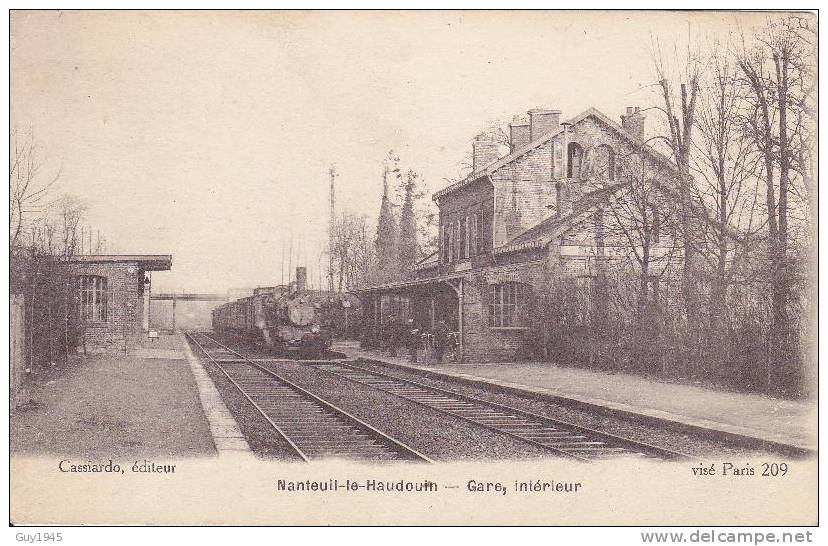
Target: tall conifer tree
<point>387,235</point>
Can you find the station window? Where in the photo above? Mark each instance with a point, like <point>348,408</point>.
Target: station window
<point>394,306</point>
<point>481,225</point>
<point>575,155</point>
<point>462,238</point>
<point>443,243</point>
<point>449,242</point>
<point>505,305</point>
<point>471,223</point>
<point>656,229</point>
<point>586,286</point>
<point>94,298</point>
<point>604,163</point>
<point>462,226</point>
<point>458,241</point>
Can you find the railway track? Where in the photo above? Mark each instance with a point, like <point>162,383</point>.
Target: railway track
<point>559,437</point>
<point>314,428</point>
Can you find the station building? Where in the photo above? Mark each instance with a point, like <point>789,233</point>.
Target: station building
<point>114,298</point>
<point>520,222</point>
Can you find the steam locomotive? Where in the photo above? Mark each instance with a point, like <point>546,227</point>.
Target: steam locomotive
<point>291,318</point>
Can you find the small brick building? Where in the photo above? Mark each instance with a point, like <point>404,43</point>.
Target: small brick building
<point>519,222</point>
<point>113,298</point>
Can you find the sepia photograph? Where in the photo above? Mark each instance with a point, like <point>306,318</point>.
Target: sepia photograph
<point>413,268</point>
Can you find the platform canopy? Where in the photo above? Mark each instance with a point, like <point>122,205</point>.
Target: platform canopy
<point>147,262</point>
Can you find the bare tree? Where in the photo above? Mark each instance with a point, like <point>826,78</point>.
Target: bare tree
<point>679,106</point>
<point>725,168</point>
<point>778,70</point>
<point>353,249</point>
<point>496,130</point>
<point>642,220</point>
<point>71,211</point>
<point>28,186</point>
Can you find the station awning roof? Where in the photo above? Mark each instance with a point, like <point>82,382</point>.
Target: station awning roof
<point>147,262</point>
<point>408,284</point>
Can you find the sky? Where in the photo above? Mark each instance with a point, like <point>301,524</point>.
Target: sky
<point>209,135</point>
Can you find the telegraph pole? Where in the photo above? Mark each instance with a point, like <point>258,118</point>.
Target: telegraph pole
<point>290,258</point>
<point>319,266</point>
<point>331,224</point>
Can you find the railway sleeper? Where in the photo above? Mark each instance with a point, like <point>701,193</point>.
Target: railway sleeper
<point>345,449</point>
<point>361,439</point>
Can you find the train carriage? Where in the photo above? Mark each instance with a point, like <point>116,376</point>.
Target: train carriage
<point>290,318</point>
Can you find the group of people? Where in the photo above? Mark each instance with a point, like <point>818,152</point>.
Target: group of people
<point>398,333</point>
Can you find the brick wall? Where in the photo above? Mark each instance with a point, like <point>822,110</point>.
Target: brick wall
<point>483,343</point>
<point>125,307</point>
<point>524,189</point>
<point>523,193</point>
<point>465,202</point>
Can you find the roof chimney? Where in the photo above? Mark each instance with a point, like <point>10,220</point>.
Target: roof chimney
<point>633,121</point>
<point>484,152</point>
<point>519,135</point>
<point>543,121</point>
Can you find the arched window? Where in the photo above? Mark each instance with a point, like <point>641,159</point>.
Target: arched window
<point>575,156</point>
<point>604,163</point>
<point>94,298</point>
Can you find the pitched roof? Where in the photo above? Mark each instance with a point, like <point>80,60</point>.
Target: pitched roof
<point>431,260</point>
<point>548,229</point>
<point>490,169</point>
<point>149,262</point>
<point>543,232</point>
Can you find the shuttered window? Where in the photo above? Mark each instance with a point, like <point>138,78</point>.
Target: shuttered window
<point>458,242</point>
<point>481,226</point>
<point>451,242</point>
<point>445,243</point>
<point>464,238</point>
<point>471,221</point>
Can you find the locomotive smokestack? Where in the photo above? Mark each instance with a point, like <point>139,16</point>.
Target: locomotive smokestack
<point>301,278</point>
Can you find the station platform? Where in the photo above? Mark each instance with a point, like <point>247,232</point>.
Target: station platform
<point>752,420</point>
<point>143,404</point>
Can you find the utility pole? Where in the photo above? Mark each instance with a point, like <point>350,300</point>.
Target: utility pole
<point>282,267</point>
<point>290,258</point>
<point>331,223</point>
<point>319,267</point>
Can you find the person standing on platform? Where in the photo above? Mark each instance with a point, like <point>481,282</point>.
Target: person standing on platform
<point>413,340</point>
<point>440,339</point>
<point>395,337</point>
